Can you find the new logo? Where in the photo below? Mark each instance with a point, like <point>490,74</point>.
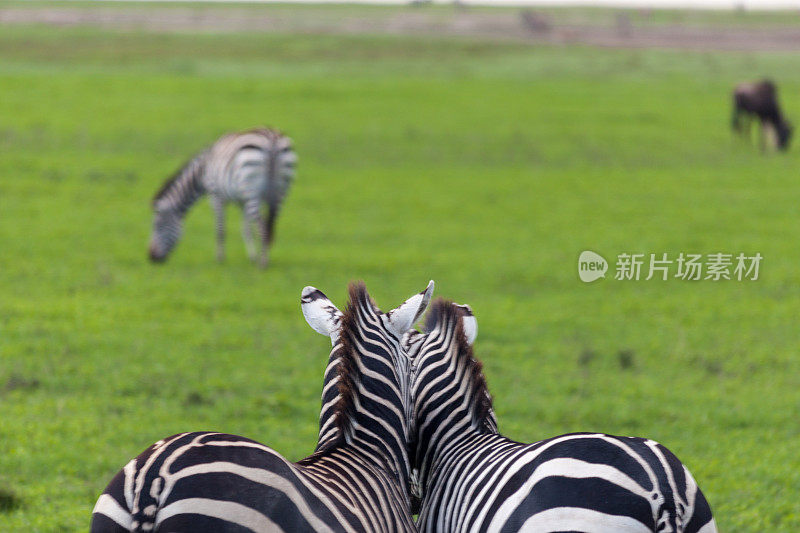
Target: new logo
<point>591,266</point>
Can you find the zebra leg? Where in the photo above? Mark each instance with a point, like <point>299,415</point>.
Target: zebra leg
<point>219,211</point>
<point>252,213</point>
<point>247,236</point>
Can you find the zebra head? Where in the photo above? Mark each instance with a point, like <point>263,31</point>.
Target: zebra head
<point>449,395</point>
<point>170,204</point>
<point>167,229</point>
<point>366,396</point>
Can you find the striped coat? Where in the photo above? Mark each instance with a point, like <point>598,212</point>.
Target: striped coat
<point>357,479</point>
<point>471,478</point>
<point>251,168</point>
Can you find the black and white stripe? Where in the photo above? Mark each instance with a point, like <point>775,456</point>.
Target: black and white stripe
<point>252,168</point>
<point>357,479</point>
<point>471,478</point>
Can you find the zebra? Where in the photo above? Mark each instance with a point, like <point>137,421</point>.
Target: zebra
<point>357,479</point>
<point>472,478</point>
<point>250,168</point>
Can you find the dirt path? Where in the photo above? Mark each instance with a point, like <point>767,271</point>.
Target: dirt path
<point>503,24</point>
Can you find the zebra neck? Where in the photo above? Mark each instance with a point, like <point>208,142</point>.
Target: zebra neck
<point>440,455</point>
<point>184,188</point>
<point>372,410</point>
<point>329,432</point>
<point>446,425</point>
<point>369,424</point>
<point>376,427</point>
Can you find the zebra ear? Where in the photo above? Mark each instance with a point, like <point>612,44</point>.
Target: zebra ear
<point>400,319</point>
<point>320,313</point>
<point>469,323</point>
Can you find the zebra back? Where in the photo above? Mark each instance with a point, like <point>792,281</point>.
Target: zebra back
<point>470,477</point>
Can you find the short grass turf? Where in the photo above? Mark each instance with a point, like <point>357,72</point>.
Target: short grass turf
<point>486,167</point>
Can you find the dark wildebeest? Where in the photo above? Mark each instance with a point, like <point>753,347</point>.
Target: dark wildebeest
<point>760,99</point>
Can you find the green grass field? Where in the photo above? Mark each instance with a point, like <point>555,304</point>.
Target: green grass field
<point>486,167</point>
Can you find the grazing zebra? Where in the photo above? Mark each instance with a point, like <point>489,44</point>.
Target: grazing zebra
<point>358,479</point>
<point>250,168</point>
<point>471,478</point>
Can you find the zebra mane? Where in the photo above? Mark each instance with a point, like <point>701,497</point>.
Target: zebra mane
<point>272,133</point>
<point>446,314</point>
<point>347,369</point>
<point>188,170</point>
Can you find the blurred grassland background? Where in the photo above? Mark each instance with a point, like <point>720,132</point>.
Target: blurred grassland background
<point>485,164</point>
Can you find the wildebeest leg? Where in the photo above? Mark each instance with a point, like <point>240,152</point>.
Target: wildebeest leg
<point>769,136</point>
<point>740,123</point>
<point>736,121</point>
<point>772,136</point>
<point>252,212</point>
<point>219,212</point>
<point>748,128</point>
